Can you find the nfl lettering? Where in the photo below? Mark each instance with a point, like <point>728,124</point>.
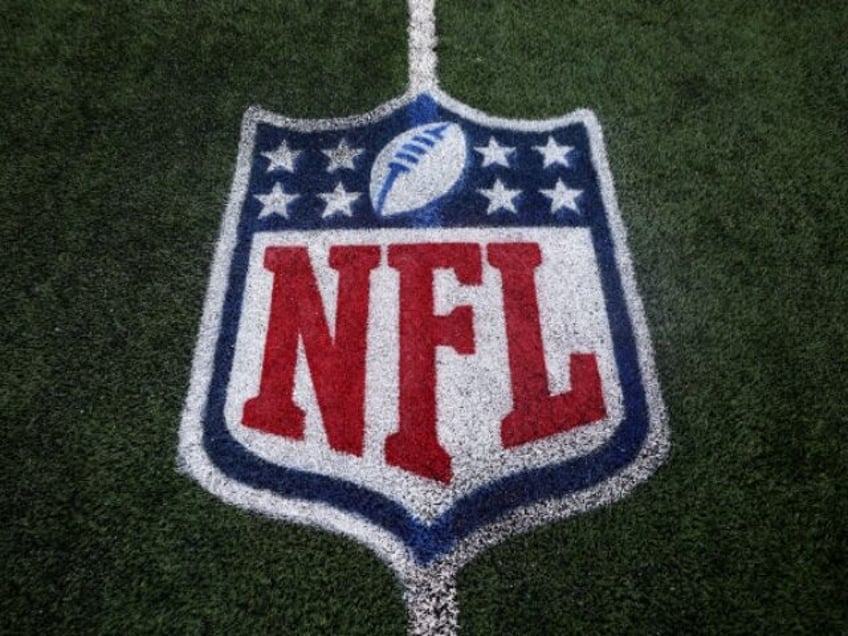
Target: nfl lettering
<point>338,364</point>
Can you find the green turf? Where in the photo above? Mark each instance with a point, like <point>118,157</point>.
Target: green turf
<point>727,132</point>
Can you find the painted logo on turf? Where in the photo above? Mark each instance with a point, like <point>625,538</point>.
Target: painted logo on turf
<point>422,330</point>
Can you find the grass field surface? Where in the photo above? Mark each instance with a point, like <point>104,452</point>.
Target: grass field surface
<point>727,133</point>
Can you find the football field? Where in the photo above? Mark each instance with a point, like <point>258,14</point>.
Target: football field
<point>726,128</point>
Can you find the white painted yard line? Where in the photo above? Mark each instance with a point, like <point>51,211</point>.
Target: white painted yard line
<point>431,605</point>
<point>422,46</point>
<point>430,593</point>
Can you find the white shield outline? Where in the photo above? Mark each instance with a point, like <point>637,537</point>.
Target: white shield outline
<point>192,456</point>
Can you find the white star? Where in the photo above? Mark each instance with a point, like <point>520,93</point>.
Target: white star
<point>562,196</point>
<point>275,202</point>
<point>500,197</point>
<point>342,156</point>
<point>554,153</point>
<point>283,157</point>
<point>494,153</point>
<point>339,200</point>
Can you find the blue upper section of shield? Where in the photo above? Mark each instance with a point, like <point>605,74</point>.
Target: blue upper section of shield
<point>464,205</point>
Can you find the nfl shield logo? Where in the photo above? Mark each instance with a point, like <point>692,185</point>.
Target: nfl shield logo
<point>422,331</point>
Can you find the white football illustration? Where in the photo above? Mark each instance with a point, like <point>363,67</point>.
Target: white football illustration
<point>417,167</point>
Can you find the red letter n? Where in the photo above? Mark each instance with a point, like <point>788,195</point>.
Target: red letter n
<point>336,364</point>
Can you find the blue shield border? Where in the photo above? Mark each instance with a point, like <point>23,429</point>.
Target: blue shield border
<point>485,516</point>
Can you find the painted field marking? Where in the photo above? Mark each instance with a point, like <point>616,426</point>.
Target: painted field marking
<point>422,331</point>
